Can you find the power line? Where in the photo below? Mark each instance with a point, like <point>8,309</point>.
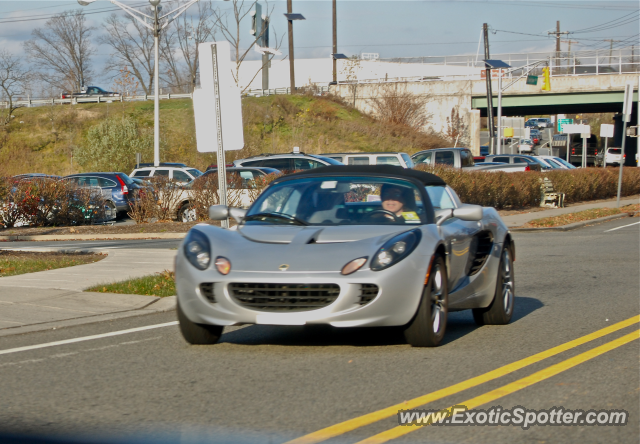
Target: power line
<point>47,17</point>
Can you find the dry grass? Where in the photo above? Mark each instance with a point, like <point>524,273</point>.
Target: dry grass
<point>159,284</point>
<point>566,219</point>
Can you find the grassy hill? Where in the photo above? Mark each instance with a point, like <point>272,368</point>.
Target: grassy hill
<point>44,139</point>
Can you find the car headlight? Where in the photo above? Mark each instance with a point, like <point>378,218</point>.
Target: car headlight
<point>197,249</point>
<point>396,249</point>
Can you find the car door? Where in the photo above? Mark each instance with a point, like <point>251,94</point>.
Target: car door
<point>457,234</point>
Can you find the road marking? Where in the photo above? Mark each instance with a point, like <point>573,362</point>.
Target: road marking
<point>87,338</point>
<point>624,226</point>
<point>352,424</point>
<point>515,386</point>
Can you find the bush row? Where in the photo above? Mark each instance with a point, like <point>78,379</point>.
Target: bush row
<point>46,202</point>
<point>523,189</point>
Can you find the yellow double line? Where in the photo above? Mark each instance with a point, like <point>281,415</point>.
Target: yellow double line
<point>352,424</point>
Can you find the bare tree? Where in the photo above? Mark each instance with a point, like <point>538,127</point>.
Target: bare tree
<point>397,105</point>
<point>183,40</point>
<point>13,79</point>
<point>231,32</point>
<point>62,49</point>
<point>132,45</point>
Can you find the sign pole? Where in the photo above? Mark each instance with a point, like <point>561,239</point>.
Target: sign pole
<point>626,116</point>
<point>568,149</point>
<point>584,151</point>
<point>222,167</point>
<point>604,155</point>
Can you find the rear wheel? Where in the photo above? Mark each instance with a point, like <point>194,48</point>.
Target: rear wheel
<point>501,309</point>
<point>198,334</point>
<point>427,327</point>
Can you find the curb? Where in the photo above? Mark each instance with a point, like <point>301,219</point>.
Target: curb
<point>575,225</point>
<point>54,237</point>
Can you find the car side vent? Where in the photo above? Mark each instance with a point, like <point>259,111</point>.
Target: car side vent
<point>206,289</point>
<point>483,243</point>
<point>368,293</point>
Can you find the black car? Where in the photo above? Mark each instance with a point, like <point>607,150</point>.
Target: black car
<point>533,162</point>
<point>117,188</point>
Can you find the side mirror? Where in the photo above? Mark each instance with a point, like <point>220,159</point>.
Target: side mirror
<point>222,212</point>
<point>443,215</point>
<point>468,212</point>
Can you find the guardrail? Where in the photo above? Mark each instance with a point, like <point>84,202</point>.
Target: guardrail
<point>94,99</point>
<point>319,90</point>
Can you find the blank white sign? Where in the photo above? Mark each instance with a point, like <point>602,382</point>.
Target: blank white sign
<point>606,130</point>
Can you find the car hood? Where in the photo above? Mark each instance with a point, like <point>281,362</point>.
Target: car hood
<point>310,249</point>
<point>278,234</point>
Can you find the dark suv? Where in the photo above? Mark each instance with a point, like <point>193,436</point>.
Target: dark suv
<point>117,188</point>
<point>287,162</point>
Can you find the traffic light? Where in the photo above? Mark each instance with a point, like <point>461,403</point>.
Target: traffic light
<point>546,80</point>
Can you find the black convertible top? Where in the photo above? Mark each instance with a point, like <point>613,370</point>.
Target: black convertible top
<point>382,170</point>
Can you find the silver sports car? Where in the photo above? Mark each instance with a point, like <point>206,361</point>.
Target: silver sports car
<point>347,246</point>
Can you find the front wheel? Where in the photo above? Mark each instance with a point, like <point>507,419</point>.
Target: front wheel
<point>428,325</point>
<point>501,309</point>
<point>187,213</point>
<point>198,334</point>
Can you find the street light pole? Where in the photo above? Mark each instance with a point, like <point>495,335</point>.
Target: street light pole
<point>156,84</point>
<point>292,74</point>
<point>335,42</point>
<point>157,25</point>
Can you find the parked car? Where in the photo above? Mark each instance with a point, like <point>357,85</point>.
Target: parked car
<point>532,162</point>
<point>379,158</point>
<point>525,146</point>
<point>90,91</point>
<point>117,188</point>
<point>346,260</point>
<point>558,161</point>
<point>287,162</point>
<point>539,122</point>
<point>459,158</point>
<point>175,172</point>
<point>536,136</point>
<point>241,177</point>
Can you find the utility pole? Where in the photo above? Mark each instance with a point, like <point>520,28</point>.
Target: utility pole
<point>335,42</point>
<point>569,52</point>
<point>611,47</point>
<point>292,74</point>
<point>558,33</point>
<point>492,148</point>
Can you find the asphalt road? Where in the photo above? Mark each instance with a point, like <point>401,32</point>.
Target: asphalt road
<point>272,384</point>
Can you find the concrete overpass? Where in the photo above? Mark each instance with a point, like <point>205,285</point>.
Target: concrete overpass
<point>569,94</point>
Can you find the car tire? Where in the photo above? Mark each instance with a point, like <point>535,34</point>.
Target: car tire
<point>501,309</point>
<point>198,334</point>
<point>428,325</point>
<point>187,213</point>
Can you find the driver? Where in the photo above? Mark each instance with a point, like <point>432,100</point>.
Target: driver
<point>392,199</point>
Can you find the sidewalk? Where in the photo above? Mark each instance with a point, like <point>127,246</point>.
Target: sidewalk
<point>518,220</point>
<point>55,298</point>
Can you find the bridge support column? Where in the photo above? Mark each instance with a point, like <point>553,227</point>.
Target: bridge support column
<point>474,131</point>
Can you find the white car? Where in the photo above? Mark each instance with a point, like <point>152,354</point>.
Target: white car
<point>613,156</point>
<point>179,173</point>
<point>525,146</point>
<point>557,162</point>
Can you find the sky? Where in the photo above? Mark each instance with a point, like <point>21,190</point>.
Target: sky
<point>390,28</point>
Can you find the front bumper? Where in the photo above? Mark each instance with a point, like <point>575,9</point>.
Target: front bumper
<point>399,291</point>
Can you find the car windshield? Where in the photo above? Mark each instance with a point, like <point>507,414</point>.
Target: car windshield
<point>194,172</point>
<point>338,201</point>
<point>329,160</point>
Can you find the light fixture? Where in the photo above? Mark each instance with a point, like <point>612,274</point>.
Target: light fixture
<point>294,16</point>
<point>154,2</point>
<point>85,2</point>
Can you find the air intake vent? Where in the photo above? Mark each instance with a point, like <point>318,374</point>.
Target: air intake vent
<point>368,293</point>
<point>284,297</point>
<point>484,244</point>
<point>206,290</point>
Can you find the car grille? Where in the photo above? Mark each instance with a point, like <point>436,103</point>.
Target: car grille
<point>368,293</point>
<point>284,297</point>
<point>206,290</point>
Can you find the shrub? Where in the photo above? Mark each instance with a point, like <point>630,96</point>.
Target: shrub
<point>523,189</point>
<point>112,145</point>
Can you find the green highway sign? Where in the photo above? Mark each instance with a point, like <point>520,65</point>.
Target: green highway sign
<point>562,122</point>
<point>532,80</point>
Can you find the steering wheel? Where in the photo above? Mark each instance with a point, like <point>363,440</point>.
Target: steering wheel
<point>382,214</point>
